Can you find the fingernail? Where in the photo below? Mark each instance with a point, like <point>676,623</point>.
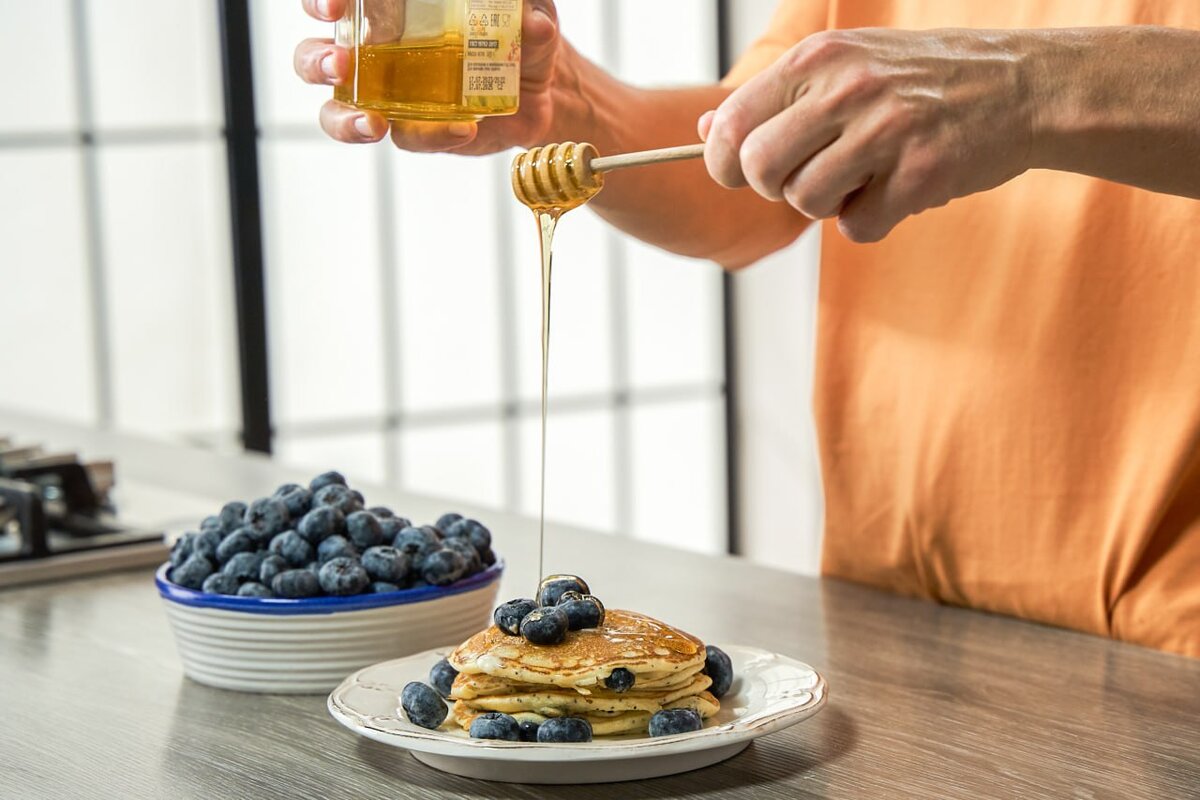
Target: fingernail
<point>329,65</point>
<point>459,129</point>
<point>323,8</point>
<point>363,126</point>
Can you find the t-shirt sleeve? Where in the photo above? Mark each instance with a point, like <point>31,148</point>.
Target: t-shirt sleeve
<point>791,22</point>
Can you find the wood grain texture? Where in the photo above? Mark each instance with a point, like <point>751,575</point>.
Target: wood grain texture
<point>925,701</point>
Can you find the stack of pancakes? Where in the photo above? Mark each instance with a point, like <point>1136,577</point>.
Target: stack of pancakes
<point>499,672</point>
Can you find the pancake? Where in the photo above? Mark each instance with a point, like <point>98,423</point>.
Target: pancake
<point>567,702</point>
<point>603,724</point>
<point>467,687</point>
<point>636,642</point>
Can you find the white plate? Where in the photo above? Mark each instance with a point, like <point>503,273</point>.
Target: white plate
<point>769,693</point>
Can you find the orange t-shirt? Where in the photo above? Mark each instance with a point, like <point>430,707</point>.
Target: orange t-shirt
<point>1007,388</point>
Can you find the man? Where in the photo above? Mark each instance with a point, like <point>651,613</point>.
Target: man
<point>1008,385</point>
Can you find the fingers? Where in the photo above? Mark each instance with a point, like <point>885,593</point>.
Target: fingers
<point>348,124</point>
<point>825,183</point>
<point>779,147</point>
<point>432,137</point>
<point>752,104</point>
<point>704,124</point>
<point>321,62</point>
<point>870,215</point>
<point>326,10</point>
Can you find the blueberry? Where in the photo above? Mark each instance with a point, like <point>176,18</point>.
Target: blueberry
<point>718,667</point>
<point>446,520</point>
<point>487,557</point>
<point>344,576</point>
<point>231,516</point>
<point>192,572</point>
<point>508,616</point>
<point>586,612</point>
<point>314,567</point>
<point>669,722</point>
<point>390,526</point>
<point>271,566</point>
<point>568,596</point>
<point>473,531</point>
<point>495,725</point>
<point>213,524</point>
<point>469,554</point>
<point>382,512</point>
<point>358,497</point>
<point>268,516</point>
<point>385,564</point>
<point>545,625</point>
<point>296,583</point>
<point>441,677</point>
<point>220,583</point>
<point>321,523</point>
<point>565,730</point>
<point>336,547</point>
<point>206,544</point>
<point>416,543</point>
<point>244,567</point>
<point>443,567</point>
<point>297,499</point>
<point>254,589</point>
<point>551,588</point>
<point>183,548</point>
<point>620,680</point>
<point>326,479</point>
<point>337,496</point>
<point>422,705</point>
<point>383,587</point>
<point>528,730</point>
<point>240,541</point>
<point>293,547</point>
<point>364,530</point>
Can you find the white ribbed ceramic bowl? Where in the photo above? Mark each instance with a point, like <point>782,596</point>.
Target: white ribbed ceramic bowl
<point>252,644</point>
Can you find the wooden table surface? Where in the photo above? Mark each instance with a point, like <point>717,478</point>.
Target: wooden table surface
<point>925,701</point>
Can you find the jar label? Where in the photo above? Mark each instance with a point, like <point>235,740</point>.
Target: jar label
<point>492,53</point>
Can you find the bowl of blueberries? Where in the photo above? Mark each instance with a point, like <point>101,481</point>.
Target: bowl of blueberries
<point>289,593</point>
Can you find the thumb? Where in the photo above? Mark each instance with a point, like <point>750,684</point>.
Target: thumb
<point>539,40</point>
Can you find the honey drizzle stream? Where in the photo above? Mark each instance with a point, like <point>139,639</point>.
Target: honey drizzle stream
<point>547,220</point>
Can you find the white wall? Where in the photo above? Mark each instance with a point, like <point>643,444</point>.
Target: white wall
<point>779,494</point>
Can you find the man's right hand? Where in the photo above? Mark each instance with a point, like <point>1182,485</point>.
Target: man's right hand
<point>320,61</point>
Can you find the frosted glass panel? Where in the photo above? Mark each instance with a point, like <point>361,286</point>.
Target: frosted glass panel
<point>679,474</point>
<point>47,359</point>
<point>464,461</point>
<point>667,44</point>
<point>674,310</point>
<point>155,63</point>
<point>322,245</point>
<point>580,468</point>
<point>40,41</point>
<point>358,456</point>
<point>581,314</point>
<point>449,282</point>
<point>167,258</point>
<point>283,98</point>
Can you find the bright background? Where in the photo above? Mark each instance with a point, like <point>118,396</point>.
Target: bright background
<point>403,290</point>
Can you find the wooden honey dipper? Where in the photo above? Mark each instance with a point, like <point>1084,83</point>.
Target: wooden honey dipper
<point>567,175</point>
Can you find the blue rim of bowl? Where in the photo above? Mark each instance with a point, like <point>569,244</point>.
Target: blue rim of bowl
<point>173,592</point>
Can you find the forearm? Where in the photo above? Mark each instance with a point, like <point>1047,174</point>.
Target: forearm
<point>675,206</point>
<point>1119,103</point>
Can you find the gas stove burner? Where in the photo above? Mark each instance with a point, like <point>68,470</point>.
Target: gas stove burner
<point>57,520</point>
